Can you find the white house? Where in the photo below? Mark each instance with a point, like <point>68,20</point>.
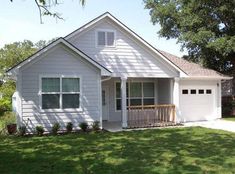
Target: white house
<point>104,71</point>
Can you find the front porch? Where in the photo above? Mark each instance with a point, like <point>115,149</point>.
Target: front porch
<point>145,117</point>
<point>139,102</point>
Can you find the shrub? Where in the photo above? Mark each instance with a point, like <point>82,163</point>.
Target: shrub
<point>55,128</point>
<point>6,89</point>
<point>96,125</point>
<point>69,127</point>
<point>39,130</point>
<point>22,130</point>
<point>5,105</point>
<point>83,126</point>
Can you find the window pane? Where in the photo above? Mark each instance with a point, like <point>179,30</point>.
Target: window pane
<point>70,85</point>
<point>148,89</point>
<point>149,101</point>
<point>118,104</point>
<point>135,90</point>
<point>200,91</point>
<point>110,38</point>
<point>193,91</point>
<point>101,38</point>
<point>184,91</point>
<point>118,90</point>
<point>208,91</point>
<point>103,98</point>
<point>50,101</point>
<point>127,90</point>
<point>50,84</point>
<point>135,102</point>
<point>71,100</point>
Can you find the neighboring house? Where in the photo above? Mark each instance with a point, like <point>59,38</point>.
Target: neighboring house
<point>104,71</point>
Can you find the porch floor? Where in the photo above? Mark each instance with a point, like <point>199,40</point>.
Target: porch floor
<point>113,126</point>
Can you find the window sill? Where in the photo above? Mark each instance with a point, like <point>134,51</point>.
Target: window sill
<point>60,110</point>
<point>105,46</point>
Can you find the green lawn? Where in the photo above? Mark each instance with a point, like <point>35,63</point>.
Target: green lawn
<point>230,118</point>
<point>173,150</point>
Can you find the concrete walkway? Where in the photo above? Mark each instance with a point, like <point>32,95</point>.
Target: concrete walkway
<point>215,124</point>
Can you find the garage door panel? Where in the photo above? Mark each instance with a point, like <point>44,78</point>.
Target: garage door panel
<point>195,107</point>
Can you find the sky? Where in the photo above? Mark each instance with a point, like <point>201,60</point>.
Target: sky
<point>19,20</point>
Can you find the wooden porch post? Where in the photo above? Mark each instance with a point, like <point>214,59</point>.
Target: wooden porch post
<point>176,101</point>
<point>124,108</point>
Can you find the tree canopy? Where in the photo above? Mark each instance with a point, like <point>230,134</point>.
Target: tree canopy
<point>206,28</point>
<point>10,55</point>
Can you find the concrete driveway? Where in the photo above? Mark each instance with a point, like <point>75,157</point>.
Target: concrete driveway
<point>215,124</point>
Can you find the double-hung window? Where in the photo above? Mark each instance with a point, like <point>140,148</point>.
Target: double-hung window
<point>60,93</point>
<point>106,38</point>
<point>137,94</point>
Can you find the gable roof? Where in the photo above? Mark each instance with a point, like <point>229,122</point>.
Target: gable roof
<point>15,68</point>
<point>193,69</point>
<point>186,68</point>
<point>129,31</point>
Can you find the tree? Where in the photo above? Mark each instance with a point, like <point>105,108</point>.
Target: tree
<point>44,7</point>
<point>14,53</point>
<point>206,28</point>
<point>10,55</point>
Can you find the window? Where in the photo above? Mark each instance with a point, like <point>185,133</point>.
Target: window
<point>138,94</point>
<point>208,91</point>
<point>105,38</point>
<point>103,98</point>
<point>184,91</point>
<point>193,91</point>
<point>60,93</point>
<point>200,91</point>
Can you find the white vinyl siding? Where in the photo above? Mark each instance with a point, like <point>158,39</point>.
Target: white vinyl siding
<point>127,58</point>
<point>62,62</point>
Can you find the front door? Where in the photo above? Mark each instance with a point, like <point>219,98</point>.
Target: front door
<point>105,102</point>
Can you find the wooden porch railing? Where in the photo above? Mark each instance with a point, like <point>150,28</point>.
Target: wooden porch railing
<point>150,115</point>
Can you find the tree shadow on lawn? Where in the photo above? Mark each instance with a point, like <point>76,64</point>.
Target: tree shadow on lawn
<point>182,150</point>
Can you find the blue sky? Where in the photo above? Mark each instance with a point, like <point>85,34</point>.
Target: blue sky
<point>20,20</point>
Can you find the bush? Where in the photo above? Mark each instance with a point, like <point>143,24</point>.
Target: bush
<point>22,130</point>
<point>5,105</point>
<point>96,125</point>
<point>55,128</point>
<point>69,127</point>
<point>39,130</point>
<point>6,89</point>
<point>83,126</point>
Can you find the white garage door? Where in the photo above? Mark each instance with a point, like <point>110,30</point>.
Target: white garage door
<point>197,101</point>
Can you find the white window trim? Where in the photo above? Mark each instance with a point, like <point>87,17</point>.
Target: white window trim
<point>105,46</point>
<point>60,93</point>
<point>128,98</point>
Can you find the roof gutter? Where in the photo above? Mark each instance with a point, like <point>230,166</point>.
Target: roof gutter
<point>206,78</point>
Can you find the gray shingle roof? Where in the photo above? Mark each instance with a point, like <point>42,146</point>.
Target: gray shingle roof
<point>190,68</point>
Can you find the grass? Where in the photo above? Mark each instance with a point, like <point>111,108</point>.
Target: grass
<point>230,118</point>
<point>173,150</point>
